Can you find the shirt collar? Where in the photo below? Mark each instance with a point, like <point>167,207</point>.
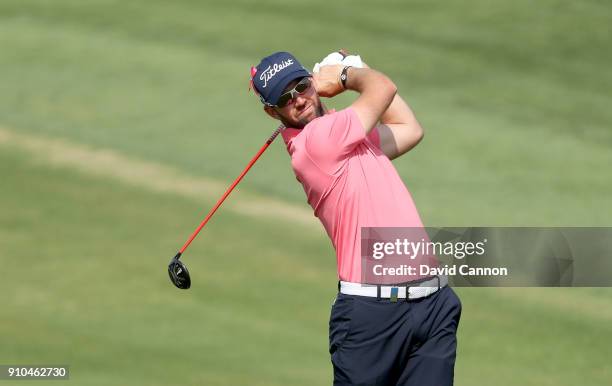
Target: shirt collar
<point>289,133</point>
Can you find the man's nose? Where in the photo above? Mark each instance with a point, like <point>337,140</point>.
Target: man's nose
<point>300,101</point>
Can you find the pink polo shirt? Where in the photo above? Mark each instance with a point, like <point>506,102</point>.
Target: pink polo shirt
<point>349,183</point>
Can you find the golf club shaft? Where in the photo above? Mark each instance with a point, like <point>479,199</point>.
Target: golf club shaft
<point>229,190</point>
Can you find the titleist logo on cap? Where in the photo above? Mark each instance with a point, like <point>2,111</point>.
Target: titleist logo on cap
<point>269,72</point>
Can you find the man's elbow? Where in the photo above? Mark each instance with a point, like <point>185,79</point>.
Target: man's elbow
<point>419,133</point>
<point>385,88</point>
<point>414,135</point>
<point>390,90</point>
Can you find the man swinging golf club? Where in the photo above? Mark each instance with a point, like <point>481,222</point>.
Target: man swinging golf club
<point>379,335</point>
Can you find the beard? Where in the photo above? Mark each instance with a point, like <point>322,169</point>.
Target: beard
<point>319,111</point>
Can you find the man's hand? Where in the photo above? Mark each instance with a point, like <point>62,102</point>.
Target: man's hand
<point>327,81</point>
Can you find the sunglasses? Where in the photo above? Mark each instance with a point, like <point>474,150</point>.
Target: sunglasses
<point>299,89</point>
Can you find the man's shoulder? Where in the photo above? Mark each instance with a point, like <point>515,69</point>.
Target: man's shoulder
<point>330,118</point>
<point>321,133</point>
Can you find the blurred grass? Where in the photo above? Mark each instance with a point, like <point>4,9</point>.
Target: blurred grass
<point>89,289</point>
<point>502,90</point>
<point>514,99</point>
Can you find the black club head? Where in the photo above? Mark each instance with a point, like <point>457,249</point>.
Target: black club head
<point>179,275</point>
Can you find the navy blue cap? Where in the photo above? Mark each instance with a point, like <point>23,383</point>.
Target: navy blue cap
<point>274,73</point>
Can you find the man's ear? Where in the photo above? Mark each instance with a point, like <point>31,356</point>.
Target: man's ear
<point>271,112</point>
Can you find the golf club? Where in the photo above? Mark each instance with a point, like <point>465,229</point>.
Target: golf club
<point>179,275</point>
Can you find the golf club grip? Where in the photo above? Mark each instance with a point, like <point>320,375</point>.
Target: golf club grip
<point>229,190</point>
<point>273,136</point>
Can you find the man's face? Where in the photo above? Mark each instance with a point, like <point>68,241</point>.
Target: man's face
<point>302,109</point>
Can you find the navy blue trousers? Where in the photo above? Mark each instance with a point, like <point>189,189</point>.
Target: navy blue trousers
<point>379,342</point>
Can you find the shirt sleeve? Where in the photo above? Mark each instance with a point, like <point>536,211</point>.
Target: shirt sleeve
<point>374,137</point>
<point>331,138</point>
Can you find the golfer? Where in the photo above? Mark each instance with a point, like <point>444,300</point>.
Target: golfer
<point>401,334</point>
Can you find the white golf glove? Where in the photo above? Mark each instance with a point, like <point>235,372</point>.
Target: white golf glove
<point>337,58</point>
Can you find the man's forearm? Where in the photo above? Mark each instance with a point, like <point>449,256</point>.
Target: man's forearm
<point>400,131</point>
<point>376,94</point>
<point>398,112</point>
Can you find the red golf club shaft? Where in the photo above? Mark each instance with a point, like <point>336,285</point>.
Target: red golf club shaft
<point>229,190</point>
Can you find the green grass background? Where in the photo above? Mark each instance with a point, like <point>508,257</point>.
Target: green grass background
<point>514,98</point>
